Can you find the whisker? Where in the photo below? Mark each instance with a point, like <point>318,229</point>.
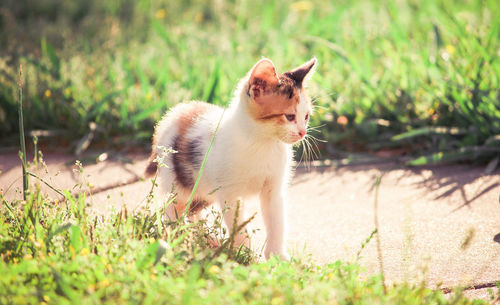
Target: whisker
<point>314,106</point>
<point>314,149</point>
<point>307,156</point>
<point>309,149</point>
<point>315,127</point>
<point>301,155</point>
<point>316,139</point>
<point>315,142</point>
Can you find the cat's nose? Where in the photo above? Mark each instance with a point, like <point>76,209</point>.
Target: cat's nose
<point>302,133</point>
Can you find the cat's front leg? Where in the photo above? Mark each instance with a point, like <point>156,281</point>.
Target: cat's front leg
<point>272,204</point>
<point>233,218</point>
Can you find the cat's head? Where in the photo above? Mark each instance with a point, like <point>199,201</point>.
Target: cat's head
<point>280,101</point>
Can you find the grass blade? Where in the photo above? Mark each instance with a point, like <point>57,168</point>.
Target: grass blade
<point>191,197</point>
<point>428,130</point>
<point>145,113</point>
<point>464,153</point>
<point>160,30</point>
<point>21,133</point>
<point>48,50</point>
<point>377,229</point>
<point>211,87</point>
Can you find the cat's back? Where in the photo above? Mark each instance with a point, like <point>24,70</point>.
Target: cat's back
<point>186,128</point>
<point>181,119</point>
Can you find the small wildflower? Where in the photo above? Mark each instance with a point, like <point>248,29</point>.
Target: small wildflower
<point>84,251</point>
<point>102,157</point>
<point>445,55</point>
<point>38,244</point>
<point>148,96</point>
<point>104,283</point>
<point>160,14</point>
<point>277,300</point>
<point>28,257</point>
<point>67,91</point>
<point>46,298</point>
<point>198,18</point>
<point>301,6</point>
<point>91,288</point>
<point>342,120</point>
<point>48,93</point>
<point>214,269</point>
<point>450,49</point>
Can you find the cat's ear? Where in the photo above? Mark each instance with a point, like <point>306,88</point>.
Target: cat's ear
<point>262,79</point>
<point>303,72</point>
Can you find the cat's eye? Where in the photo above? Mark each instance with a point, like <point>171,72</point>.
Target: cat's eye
<point>307,116</point>
<point>290,117</point>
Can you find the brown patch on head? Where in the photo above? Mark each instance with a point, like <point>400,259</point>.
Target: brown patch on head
<point>298,74</point>
<point>262,78</point>
<point>283,98</point>
<point>286,86</point>
<point>275,95</point>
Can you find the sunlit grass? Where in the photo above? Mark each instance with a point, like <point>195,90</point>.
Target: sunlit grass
<point>61,254</point>
<point>409,64</point>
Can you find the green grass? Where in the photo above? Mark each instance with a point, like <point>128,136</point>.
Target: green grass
<point>108,71</point>
<point>394,72</point>
<point>55,252</point>
<point>59,254</point>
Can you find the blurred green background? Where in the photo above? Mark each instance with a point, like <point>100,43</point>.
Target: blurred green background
<point>412,79</point>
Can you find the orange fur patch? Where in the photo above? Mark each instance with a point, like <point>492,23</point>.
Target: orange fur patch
<point>275,105</point>
<point>189,113</point>
<point>273,95</point>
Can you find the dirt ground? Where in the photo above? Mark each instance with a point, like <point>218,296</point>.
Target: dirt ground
<point>437,224</point>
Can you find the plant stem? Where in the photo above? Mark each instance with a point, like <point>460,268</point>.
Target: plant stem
<point>46,183</point>
<point>21,133</point>
<point>379,247</point>
<point>190,200</point>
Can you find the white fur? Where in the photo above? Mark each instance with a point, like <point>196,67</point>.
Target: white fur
<point>248,158</point>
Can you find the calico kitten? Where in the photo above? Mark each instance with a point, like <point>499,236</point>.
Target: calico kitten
<point>251,154</point>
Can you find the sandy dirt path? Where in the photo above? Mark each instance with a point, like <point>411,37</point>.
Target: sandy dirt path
<point>438,224</point>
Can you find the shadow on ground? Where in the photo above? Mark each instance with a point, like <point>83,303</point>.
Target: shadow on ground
<point>426,214</point>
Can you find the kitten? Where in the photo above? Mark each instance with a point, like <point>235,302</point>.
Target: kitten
<point>251,154</point>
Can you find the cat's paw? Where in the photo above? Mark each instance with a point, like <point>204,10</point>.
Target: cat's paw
<point>281,254</point>
<point>284,257</point>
